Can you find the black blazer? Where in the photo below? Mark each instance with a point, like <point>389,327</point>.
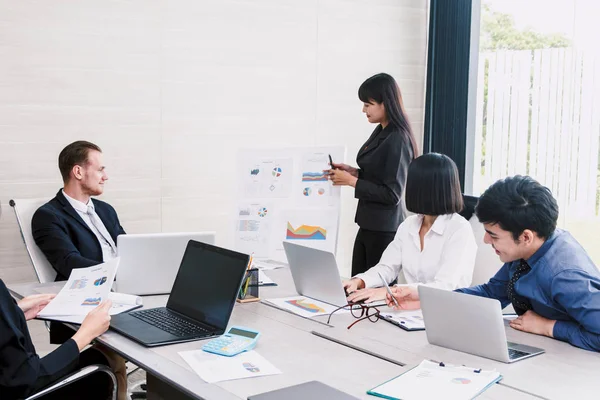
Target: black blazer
<point>383,161</point>
<point>66,239</point>
<point>22,371</point>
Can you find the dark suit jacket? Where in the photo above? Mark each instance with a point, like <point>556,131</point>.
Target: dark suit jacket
<point>21,369</point>
<point>383,162</point>
<point>66,239</point>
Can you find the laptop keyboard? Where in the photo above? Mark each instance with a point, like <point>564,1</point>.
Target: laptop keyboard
<point>169,322</point>
<point>513,354</point>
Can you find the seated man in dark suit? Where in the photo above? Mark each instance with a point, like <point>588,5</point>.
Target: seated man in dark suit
<point>73,230</point>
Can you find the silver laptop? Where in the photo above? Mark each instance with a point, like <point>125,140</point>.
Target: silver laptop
<point>471,324</point>
<point>313,390</point>
<point>149,262</point>
<point>315,274</point>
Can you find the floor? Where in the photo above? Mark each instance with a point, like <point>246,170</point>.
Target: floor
<point>39,336</point>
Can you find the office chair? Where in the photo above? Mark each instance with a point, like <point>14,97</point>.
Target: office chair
<point>24,210</point>
<point>74,377</point>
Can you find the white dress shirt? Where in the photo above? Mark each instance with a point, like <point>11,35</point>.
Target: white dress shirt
<point>446,262</point>
<point>108,251</point>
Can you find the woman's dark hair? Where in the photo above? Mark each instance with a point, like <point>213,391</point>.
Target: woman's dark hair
<point>382,88</point>
<point>518,203</point>
<point>432,186</point>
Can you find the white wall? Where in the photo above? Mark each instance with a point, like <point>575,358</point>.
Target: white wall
<point>171,89</point>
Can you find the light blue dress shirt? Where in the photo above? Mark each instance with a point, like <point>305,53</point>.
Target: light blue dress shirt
<point>563,285</point>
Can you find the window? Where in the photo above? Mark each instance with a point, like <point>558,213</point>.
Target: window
<point>537,108</point>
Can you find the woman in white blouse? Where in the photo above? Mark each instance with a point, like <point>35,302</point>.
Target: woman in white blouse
<point>436,247</point>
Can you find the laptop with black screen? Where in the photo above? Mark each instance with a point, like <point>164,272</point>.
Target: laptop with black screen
<point>200,303</point>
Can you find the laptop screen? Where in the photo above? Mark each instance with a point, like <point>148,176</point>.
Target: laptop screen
<point>207,283</point>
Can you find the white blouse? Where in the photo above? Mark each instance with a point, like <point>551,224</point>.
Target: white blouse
<point>446,262</point>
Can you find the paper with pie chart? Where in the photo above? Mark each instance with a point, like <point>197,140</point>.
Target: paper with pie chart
<point>315,188</point>
<point>83,291</point>
<point>253,226</point>
<point>264,177</point>
<point>434,380</point>
<point>301,305</point>
<point>215,368</point>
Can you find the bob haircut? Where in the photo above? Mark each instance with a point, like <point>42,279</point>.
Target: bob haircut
<point>432,186</point>
<point>382,88</point>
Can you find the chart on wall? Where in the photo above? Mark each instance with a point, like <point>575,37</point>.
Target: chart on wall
<point>285,194</point>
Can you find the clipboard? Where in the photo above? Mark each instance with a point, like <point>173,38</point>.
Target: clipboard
<point>437,380</point>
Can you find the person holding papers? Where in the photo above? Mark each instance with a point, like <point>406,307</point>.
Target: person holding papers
<point>548,277</point>
<point>383,161</point>
<point>72,230</point>
<point>435,247</point>
<point>23,372</point>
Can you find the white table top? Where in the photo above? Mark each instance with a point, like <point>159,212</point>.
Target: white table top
<point>287,342</point>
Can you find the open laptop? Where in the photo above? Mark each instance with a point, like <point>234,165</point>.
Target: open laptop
<point>315,274</point>
<point>200,303</point>
<point>471,324</point>
<point>155,257</point>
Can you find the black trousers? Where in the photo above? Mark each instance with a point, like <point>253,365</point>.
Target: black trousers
<point>97,386</point>
<point>368,248</point>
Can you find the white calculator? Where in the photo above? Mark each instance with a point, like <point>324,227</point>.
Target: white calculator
<point>235,341</point>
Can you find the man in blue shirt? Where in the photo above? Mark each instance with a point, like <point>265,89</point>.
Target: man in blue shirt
<point>548,277</point>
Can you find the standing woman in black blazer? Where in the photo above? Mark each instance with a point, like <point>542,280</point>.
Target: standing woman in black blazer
<point>383,164</point>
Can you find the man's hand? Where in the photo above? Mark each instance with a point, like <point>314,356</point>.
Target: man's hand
<point>342,178</point>
<point>406,296</point>
<point>32,305</point>
<point>367,295</point>
<point>533,323</point>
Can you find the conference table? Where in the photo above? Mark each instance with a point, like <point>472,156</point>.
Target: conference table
<point>353,361</point>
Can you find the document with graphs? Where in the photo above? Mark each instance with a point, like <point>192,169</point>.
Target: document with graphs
<point>85,289</point>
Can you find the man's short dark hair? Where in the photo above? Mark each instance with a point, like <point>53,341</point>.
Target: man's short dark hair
<point>518,203</point>
<point>432,186</point>
<point>74,154</point>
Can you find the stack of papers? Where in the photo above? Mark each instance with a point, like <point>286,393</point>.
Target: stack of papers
<point>301,305</point>
<point>431,380</point>
<point>214,368</point>
<point>84,291</point>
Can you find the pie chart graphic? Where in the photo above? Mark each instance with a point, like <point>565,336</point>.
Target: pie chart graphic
<point>307,191</point>
<point>276,172</point>
<point>321,191</point>
<point>262,212</point>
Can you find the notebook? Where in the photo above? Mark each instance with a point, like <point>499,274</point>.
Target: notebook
<point>432,380</point>
<point>407,320</point>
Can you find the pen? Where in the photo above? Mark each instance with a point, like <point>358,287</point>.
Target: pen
<point>387,288</point>
<point>330,161</point>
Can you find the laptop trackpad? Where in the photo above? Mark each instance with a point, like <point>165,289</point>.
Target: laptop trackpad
<point>142,331</point>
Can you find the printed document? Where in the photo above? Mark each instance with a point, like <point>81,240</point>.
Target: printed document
<point>432,380</point>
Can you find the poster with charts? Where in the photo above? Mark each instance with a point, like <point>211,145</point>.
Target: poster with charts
<point>299,203</point>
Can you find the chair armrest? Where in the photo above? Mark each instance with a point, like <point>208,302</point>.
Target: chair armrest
<point>82,373</point>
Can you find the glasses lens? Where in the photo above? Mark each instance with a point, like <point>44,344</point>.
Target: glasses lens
<point>373,314</point>
<point>358,311</point>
